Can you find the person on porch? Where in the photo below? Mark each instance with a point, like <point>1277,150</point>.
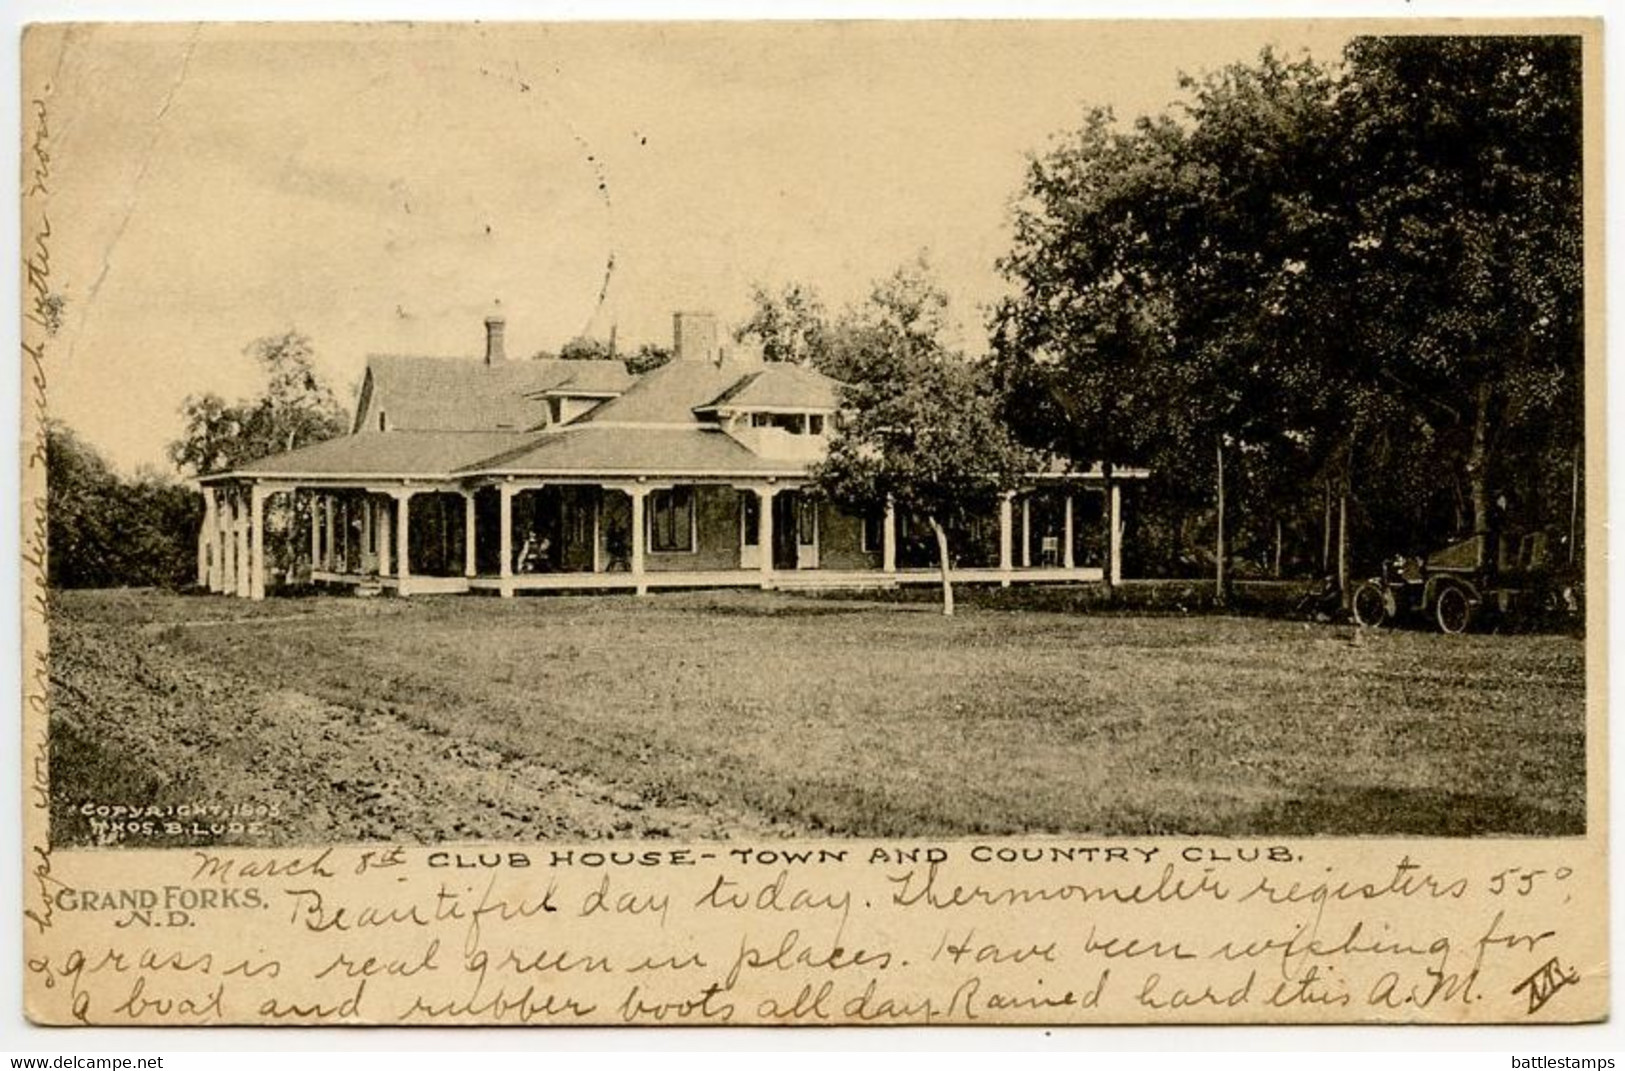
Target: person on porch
<point>533,554</point>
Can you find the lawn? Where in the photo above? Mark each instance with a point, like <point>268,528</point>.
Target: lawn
<point>747,713</point>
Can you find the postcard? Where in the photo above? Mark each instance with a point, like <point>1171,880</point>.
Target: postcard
<point>817,523</point>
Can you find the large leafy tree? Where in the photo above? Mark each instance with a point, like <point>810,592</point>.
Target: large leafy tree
<point>905,311</point>
<point>1331,276</point>
<point>1158,268</point>
<point>790,324</point>
<point>294,409</point>
<point>920,427</point>
<point>105,530</point>
<point>1465,177</point>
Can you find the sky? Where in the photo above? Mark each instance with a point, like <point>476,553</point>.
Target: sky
<point>382,189</point>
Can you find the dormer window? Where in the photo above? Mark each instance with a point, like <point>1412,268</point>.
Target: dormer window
<point>383,420</point>
<point>791,423</point>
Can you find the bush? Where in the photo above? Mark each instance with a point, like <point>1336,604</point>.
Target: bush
<point>107,531</point>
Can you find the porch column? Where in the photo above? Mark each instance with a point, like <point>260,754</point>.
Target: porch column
<point>368,522</point>
<point>505,513</point>
<point>1066,547</point>
<point>764,532</point>
<point>1114,533</point>
<point>1006,501</point>
<point>403,557</point>
<point>315,532</point>
<point>240,523</point>
<point>888,538</point>
<point>597,531</point>
<point>346,514</point>
<point>468,533</point>
<point>639,537</point>
<point>330,558</point>
<point>256,559</point>
<point>227,536</point>
<point>385,535</point>
<point>1026,531</point>
<point>205,542</point>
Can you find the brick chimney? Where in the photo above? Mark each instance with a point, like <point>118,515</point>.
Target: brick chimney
<point>694,337</point>
<point>494,350</point>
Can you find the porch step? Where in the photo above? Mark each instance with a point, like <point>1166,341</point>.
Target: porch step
<point>815,581</point>
<point>368,589</point>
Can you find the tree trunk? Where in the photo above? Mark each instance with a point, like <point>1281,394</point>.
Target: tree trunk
<point>1326,528</point>
<point>1218,553</point>
<point>942,562</point>
<point>1574,506</point>
<point>1478,474</point>
<point>1343,548</point>
<point>1275,569</point>
<point>1112,534</point>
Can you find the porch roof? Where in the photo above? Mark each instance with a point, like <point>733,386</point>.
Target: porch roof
<point>419,454</point>
<point>1056,467</point>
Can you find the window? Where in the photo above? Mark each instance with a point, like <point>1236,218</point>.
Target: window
<point>582,512</point>
<point>383,420</point>
<point>874,536</point>
<point>671,519</point>
<point>761,420</point>
<point>815,424</point>
<point>750,512</point>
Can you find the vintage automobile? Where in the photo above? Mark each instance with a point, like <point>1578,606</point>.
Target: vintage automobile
<point>1457,588</point>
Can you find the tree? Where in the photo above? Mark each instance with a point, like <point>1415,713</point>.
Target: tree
<point>920,430</point>
<point>295,409</point>
<point>1465,167</point>
<point>647,358</point>
<point>791,324</point>
<point>582,348</point>
<point>106,531</point>
<point>1315,277</point>
<point>1152,266</point>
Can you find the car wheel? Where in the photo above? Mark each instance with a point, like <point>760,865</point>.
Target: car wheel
<point>1453,610</point>
<point>1370,605</point>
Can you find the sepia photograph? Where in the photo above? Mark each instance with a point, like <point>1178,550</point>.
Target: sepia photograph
<point>502,450</point>
<point>602,445</point>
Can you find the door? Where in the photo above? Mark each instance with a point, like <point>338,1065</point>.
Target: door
<point>786,514</point>
<point>806,533</point>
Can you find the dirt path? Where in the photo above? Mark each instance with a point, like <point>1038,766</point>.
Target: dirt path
<point>133,722</point>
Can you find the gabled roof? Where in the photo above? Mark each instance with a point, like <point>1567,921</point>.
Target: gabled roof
<point>588,449</point>
<point>464,394</point>
<point>781,387</point>
<point>667,395</point>
<point>388,453</point>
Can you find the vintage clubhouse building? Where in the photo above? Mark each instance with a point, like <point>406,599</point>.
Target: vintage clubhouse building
<point>509,476</point>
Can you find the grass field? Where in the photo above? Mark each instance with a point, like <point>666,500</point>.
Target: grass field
<point>746,713</point>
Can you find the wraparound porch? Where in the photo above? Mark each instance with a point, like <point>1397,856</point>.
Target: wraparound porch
<point>522,535</point>
<point>811,580</point>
